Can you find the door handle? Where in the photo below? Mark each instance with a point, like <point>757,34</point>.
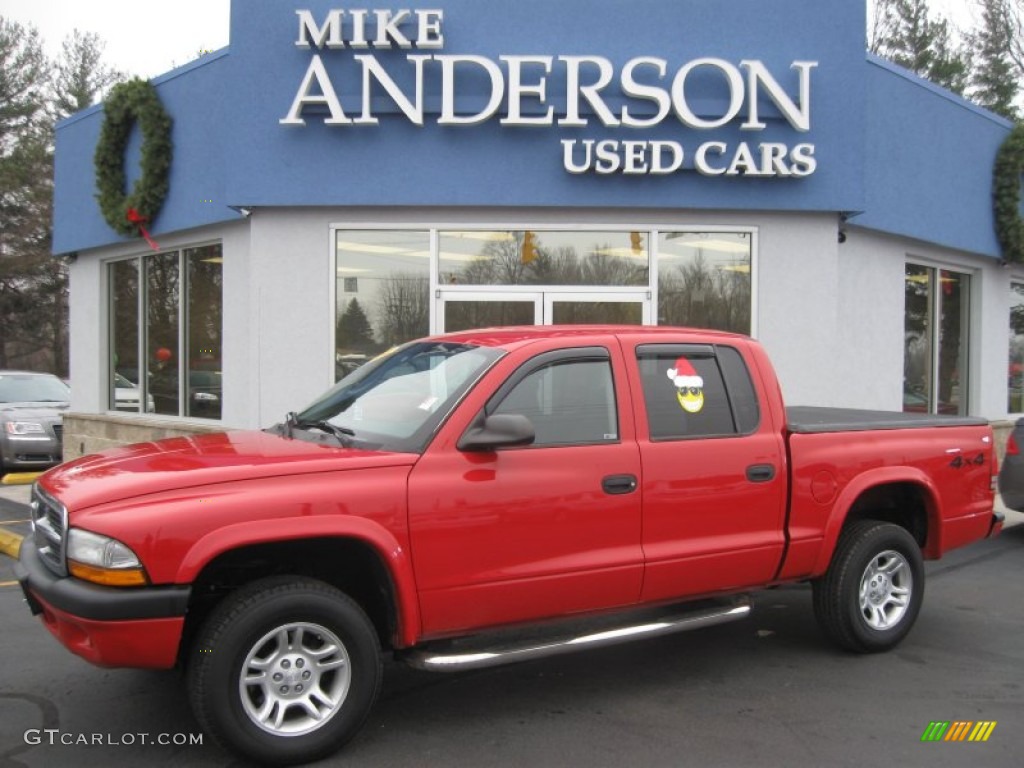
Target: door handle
<point>760,473</point>
<point>618,484</point>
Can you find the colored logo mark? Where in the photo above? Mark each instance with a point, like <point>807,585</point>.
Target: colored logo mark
<point>958,730</point>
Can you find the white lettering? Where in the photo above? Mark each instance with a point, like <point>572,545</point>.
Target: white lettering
<point>568,146</point>
<point>797,115</point>
<point>658,148</point>
<point>448,64</point>
<point>316,74</point>
<point>630,87</point>
<point>517,90</point>
<point>700,158</point>
<point>387,27</point>
<point>636,158</point>
<point>359,29</point>
<point>743,162</point>
<point>804,162</point>
<point>372,70</point>
<point>732,76</point>
<point>429,34</point>
<point>329,34</point>
<point>573,90</point>
<point>773,159</point>
<point>607,157</point>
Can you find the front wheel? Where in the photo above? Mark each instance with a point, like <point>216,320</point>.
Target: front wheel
<point>871,594</point>
<point>285,670</point>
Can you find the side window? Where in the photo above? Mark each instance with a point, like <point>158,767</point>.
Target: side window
<point>568,403</point>
<point>686,394</point>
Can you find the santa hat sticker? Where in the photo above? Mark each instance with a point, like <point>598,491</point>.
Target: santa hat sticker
<point>689,386</point>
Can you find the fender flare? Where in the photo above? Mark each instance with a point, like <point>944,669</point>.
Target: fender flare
<point>396,558</point>
<point>865,482</point>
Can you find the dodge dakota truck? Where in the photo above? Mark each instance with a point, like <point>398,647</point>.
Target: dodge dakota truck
<point>485,497</point>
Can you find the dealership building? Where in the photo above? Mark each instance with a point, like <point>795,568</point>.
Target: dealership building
<point>343,180</point>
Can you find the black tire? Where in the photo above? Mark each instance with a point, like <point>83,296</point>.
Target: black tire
<point>282,630</point>
<point>879,620</point>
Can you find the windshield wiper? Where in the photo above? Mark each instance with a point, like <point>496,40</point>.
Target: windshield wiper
<point>342,434</point>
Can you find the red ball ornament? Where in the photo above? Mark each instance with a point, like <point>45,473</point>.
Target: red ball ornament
<point>163,354</point>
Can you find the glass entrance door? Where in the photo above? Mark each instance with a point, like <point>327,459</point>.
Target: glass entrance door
<point>596,308</point>
<point>461,310</point>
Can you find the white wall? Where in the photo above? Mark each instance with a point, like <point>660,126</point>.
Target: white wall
<point>829,314</point>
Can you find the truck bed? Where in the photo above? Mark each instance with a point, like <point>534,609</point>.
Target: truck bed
<point>805,419</point>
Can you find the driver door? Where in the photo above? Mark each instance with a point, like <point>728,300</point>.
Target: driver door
<point>550,529</point>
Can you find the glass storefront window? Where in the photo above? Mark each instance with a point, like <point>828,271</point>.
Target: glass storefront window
<point>125,371</point>
<point>543,257</point>
<point>1015,371</point>
<point>182,293</point>
<point>704,280</point>
<point>383,293</point>
<point>936,332</point>
<point>205,330</point>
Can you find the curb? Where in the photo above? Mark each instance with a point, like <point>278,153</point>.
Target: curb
<point>10,543</point>
<point>19,478</point>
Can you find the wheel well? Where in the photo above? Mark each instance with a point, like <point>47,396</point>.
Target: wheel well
<point>351,566</point>
<point>903,504</point>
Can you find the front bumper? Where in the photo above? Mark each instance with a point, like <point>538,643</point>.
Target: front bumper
<point>111,627</point>
<point>30,452</point>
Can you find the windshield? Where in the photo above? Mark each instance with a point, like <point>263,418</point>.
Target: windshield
<point>32,388</point>
<point>396,401</point>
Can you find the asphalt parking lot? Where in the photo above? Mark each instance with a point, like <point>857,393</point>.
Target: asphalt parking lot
<point>765,692</point>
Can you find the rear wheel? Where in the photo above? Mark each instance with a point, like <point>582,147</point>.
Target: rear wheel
<point>285,671</point>
<point>871,594</point>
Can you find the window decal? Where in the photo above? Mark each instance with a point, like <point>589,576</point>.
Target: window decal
<point>689,386</point>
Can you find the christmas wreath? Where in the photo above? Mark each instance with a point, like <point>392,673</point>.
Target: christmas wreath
<point>1006,195</point>
<point>131,102</point>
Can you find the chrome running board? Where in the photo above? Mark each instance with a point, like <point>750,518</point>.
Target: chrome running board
<point>477,653</point>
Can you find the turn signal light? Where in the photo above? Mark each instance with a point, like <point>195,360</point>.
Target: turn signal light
<point>108,577</point>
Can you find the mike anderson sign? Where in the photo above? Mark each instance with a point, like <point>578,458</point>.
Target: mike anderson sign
<point>649,91</point>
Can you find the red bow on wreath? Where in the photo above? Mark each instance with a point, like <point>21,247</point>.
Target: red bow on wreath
<point>138,220</point>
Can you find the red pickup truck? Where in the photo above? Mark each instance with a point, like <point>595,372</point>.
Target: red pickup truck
<point>492,496</point>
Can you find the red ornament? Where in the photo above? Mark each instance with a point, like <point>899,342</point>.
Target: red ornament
<point>163,354</point>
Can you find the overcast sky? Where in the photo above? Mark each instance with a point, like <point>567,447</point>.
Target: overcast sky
<point>142,38</point>
<point>148,38</point>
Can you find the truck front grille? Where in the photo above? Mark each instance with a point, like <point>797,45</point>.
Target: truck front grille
<point>49,530</point>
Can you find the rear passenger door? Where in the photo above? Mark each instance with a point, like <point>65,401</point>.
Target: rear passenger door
<point>714,483</point>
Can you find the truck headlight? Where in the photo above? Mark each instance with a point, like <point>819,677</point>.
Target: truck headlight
<point>103,560</point>
<point>24,428</point>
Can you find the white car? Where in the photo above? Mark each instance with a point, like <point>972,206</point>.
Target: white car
<point>127,396</point>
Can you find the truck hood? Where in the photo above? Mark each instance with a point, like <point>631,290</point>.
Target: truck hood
<point>187,462</point>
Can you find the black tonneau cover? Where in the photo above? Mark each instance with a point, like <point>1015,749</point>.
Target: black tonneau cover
<point>805,419</point>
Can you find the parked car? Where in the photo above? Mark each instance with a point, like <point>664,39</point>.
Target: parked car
<point>459,490</point>
<point>1011,473</point>
<point>31,419</point>
<point>127,396</point>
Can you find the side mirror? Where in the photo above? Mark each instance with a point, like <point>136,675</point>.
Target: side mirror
<point>498,431</point>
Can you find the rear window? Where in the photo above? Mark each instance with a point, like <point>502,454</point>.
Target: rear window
<point>696,390</point>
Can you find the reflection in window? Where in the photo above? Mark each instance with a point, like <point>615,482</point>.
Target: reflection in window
<point>146,364</point>
<point>124,332</point>
<point>935,363</point>
<point>205,327</point>
<point>568,403</point>
<point>162,300</point>
<point>1015,372</point>
<point>383,293</point>
<point>543,258</point>
<point>704,280</point>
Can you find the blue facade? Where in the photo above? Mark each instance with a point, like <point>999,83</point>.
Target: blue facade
<point>914,160</point>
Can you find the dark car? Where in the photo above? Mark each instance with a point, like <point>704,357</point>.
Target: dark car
<point>31,419</point>
<point>1011,474</point>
